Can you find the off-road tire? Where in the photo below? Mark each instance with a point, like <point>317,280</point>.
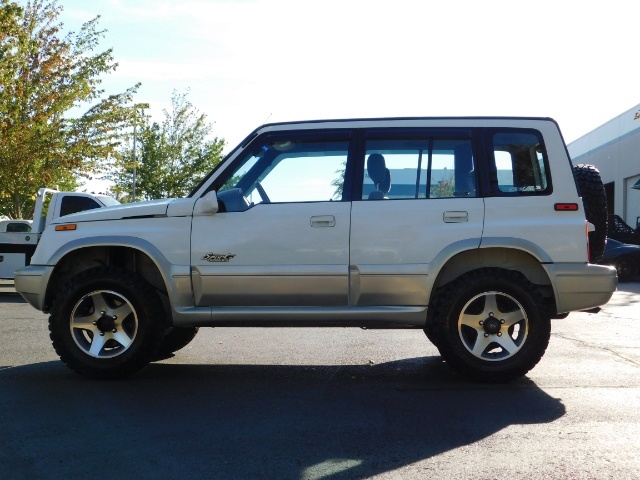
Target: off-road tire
<point>594,200</point>
<point>627,268</point>
<point>176,339</point>
<point>107,322</point>
<point>432,334</point>
<point>508,303</point>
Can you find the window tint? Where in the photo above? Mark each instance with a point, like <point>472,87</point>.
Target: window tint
<point>18,228</point>
<point>77,204</point>
<point>425,168</point>
<point>520,163</point>
<point>290,170</point>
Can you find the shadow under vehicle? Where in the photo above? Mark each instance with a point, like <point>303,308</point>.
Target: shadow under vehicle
<point>258,421</point>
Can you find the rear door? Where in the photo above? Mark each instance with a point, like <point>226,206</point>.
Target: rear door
<point>418,196</point>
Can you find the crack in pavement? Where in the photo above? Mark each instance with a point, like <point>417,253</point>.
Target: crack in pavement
<point>586,344</point>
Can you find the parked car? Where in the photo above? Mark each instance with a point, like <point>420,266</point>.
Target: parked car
<point>624,257</point>
<point>471,229</point>
<point>621,231</point>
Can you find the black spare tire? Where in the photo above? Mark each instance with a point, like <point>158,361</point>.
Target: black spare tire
<point>594,199</point>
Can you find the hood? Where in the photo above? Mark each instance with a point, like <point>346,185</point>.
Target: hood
<point>152,208</point>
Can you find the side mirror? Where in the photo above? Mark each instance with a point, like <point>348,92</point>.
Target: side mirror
<point>206,205</point>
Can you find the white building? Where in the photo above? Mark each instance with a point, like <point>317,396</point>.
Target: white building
<point>614,148</point>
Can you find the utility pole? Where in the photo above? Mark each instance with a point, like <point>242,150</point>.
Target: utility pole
<point>141,106</point>
<point>135,157</point>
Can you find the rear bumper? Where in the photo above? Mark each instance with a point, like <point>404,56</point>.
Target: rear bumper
<point>31,282</point>
<point>581,286</point>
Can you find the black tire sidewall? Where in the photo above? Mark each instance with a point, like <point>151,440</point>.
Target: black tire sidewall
<point>467,287</point>
<point>631,270</point>
<point>594,201</point>
<point>176,339</point>
<point>144,301</point>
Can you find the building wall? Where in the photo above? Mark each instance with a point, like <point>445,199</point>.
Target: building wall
<point>614,148</point>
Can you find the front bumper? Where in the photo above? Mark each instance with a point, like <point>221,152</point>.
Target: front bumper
<point>581,286</point>
<point>31,282</point>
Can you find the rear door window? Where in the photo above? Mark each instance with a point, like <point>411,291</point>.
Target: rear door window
<point>434,166</point>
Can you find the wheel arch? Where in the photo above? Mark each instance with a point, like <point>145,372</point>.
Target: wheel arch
<point>523,257</point>
<point>134,254</point>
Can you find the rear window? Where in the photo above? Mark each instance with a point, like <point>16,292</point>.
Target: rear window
<point>18,227</point>
<point>520,164</point>
<point>71,204</point>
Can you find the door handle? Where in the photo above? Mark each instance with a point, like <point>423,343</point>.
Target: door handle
<point>456,217</point>
<point>323,221</point>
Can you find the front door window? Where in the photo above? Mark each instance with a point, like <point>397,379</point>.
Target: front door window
<point>288,170</point>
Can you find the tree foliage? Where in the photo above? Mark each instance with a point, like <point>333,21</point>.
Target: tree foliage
<point>173,156</point>
<point>444,188</point>
<point>46,77</point>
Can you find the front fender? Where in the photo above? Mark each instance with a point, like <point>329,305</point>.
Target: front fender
<point>176,277</point>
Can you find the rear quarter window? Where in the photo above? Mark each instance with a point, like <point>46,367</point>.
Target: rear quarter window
<point>519,163</point>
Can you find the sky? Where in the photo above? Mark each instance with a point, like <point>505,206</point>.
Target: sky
<point>249,62</point>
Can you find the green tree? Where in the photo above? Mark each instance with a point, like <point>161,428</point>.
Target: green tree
<point>45,78</point>
<point>443,189</point>
<point>173,156</point>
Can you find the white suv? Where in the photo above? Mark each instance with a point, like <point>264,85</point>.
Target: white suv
<point>472,229</point>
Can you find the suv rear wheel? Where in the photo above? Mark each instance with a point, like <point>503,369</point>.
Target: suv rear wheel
<point>492,327</point>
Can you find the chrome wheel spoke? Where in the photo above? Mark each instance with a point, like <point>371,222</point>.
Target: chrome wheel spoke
<point>99,303</point>
<point>506,342</point>
<point>97,345</point>
<point>490,305</point>
<point>511,318</point>
<point>121,312</point>
<point>85,323</point>
<point>122,338</point>
<point>472,321</point>
<point>480,345</point>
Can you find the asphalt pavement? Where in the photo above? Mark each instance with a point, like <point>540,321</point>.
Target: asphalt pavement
<point>332,403</point>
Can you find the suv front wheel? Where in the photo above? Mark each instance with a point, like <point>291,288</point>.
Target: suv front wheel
<point>492,325</point>
<point>108,322</point>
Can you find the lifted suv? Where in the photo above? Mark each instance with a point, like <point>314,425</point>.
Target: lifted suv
<point>471,229</point>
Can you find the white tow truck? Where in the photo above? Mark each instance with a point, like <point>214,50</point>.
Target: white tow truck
<point>18,238</point>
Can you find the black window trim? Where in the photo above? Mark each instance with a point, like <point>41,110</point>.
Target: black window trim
<point>493,189</point>
<point>331,134</point>
<point>417,133</point>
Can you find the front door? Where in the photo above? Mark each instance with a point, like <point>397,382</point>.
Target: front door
<point>281,237</point>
